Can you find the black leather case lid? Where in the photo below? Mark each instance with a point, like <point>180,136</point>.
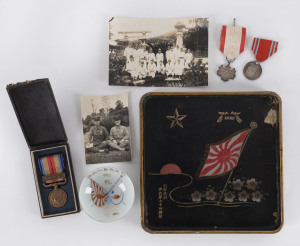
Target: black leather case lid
<point>37,112</point>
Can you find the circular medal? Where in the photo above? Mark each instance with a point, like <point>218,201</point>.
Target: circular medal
<point>106,194</point>
<point>252,70</point>
<point>57,197</point>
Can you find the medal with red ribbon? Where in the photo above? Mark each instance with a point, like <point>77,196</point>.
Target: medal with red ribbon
<point>52,168</point>
<point>262,49</point>
<point>232,44</point>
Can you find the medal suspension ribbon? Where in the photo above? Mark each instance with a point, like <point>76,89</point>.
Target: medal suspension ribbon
<point>232,44</point>
<point>52,168</point>
<point>232,41</point>
<point>263,48</point>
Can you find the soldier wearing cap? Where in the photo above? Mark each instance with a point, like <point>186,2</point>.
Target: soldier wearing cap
<point>98,137</point>
<point>119,136</point>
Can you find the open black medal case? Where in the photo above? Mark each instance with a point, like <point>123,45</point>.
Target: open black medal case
<point>39,118</point>
<point>211,162</point>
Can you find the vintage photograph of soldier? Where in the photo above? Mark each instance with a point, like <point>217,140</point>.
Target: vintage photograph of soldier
<point>106,129</point>
<point>158,52</point>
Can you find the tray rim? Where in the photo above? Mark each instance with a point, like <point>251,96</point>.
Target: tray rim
<point>250,93</point>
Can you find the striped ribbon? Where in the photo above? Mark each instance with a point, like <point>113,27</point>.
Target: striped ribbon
<point>263,48</point>
<point>52,165</point>
<point>232,41</point>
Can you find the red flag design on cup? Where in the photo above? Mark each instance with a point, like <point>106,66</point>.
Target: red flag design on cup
<point>99,194</point>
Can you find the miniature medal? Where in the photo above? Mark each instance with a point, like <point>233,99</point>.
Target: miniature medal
<point>232,44</point>
<point>262,49</point>
<point>52,169</point>
<point>107,194</point>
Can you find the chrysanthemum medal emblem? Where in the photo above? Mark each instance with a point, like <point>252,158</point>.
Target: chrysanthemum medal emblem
<point>232,44</point>
<point>106,194</point>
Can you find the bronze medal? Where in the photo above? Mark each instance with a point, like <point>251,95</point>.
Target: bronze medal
<point>57,197</point>
<point>52,168</point>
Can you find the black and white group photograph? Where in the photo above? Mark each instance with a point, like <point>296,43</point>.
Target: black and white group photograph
<point>106,130</point>
<point>158,52</point>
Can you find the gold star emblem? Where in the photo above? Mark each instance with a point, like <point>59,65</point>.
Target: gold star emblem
<point>176,119</point>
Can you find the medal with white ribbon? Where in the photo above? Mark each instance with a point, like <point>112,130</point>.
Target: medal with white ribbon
<point>52,168</point>
<point>262,49</point>
<point>232,44</point>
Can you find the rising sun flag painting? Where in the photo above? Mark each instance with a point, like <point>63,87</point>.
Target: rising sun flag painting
<point>224,157</point>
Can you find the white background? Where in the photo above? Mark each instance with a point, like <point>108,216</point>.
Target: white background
<point>67,42</point>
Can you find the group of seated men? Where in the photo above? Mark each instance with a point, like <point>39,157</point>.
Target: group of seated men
<point>141,63</point>
<point>102,141</point>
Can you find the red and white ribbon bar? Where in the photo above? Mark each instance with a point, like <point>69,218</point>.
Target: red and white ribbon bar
<point>232,41</point>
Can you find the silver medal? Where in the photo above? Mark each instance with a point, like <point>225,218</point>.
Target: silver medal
<point>226,72</point>
<point>232,43</point>
<point>252,70</point>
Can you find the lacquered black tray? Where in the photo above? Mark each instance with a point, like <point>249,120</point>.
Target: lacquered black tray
<point>211,162</point>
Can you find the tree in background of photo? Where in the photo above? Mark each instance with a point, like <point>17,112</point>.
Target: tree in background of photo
<point>160,43</point>
<point>106,114</point>
<point>116,67</point>
<point>196,38</point>
<point>196,75</point>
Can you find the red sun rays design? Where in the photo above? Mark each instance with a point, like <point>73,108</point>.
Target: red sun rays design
<point>99,195</point>
<point>224,157</point>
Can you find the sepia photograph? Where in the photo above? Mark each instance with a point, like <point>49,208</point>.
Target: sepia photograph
<point>106,130</point>
<point>158,52</point>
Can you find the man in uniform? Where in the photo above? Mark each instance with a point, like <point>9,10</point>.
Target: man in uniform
<point>98,137</point>
<point>144,55</point>
<point>188,58</point>
<point>151,56</point>
<point>142,71</point>
<point>136,55</point>
<point>132,69</point>
<point>152,68</point>
<point>128,51</point>
<point>169,54</point>
<point>119,136</point>
<point>169,68</point>
<point>159,56</point>
<point>161,68</point>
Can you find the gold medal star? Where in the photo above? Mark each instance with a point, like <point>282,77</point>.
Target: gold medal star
<point>176,119</point>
